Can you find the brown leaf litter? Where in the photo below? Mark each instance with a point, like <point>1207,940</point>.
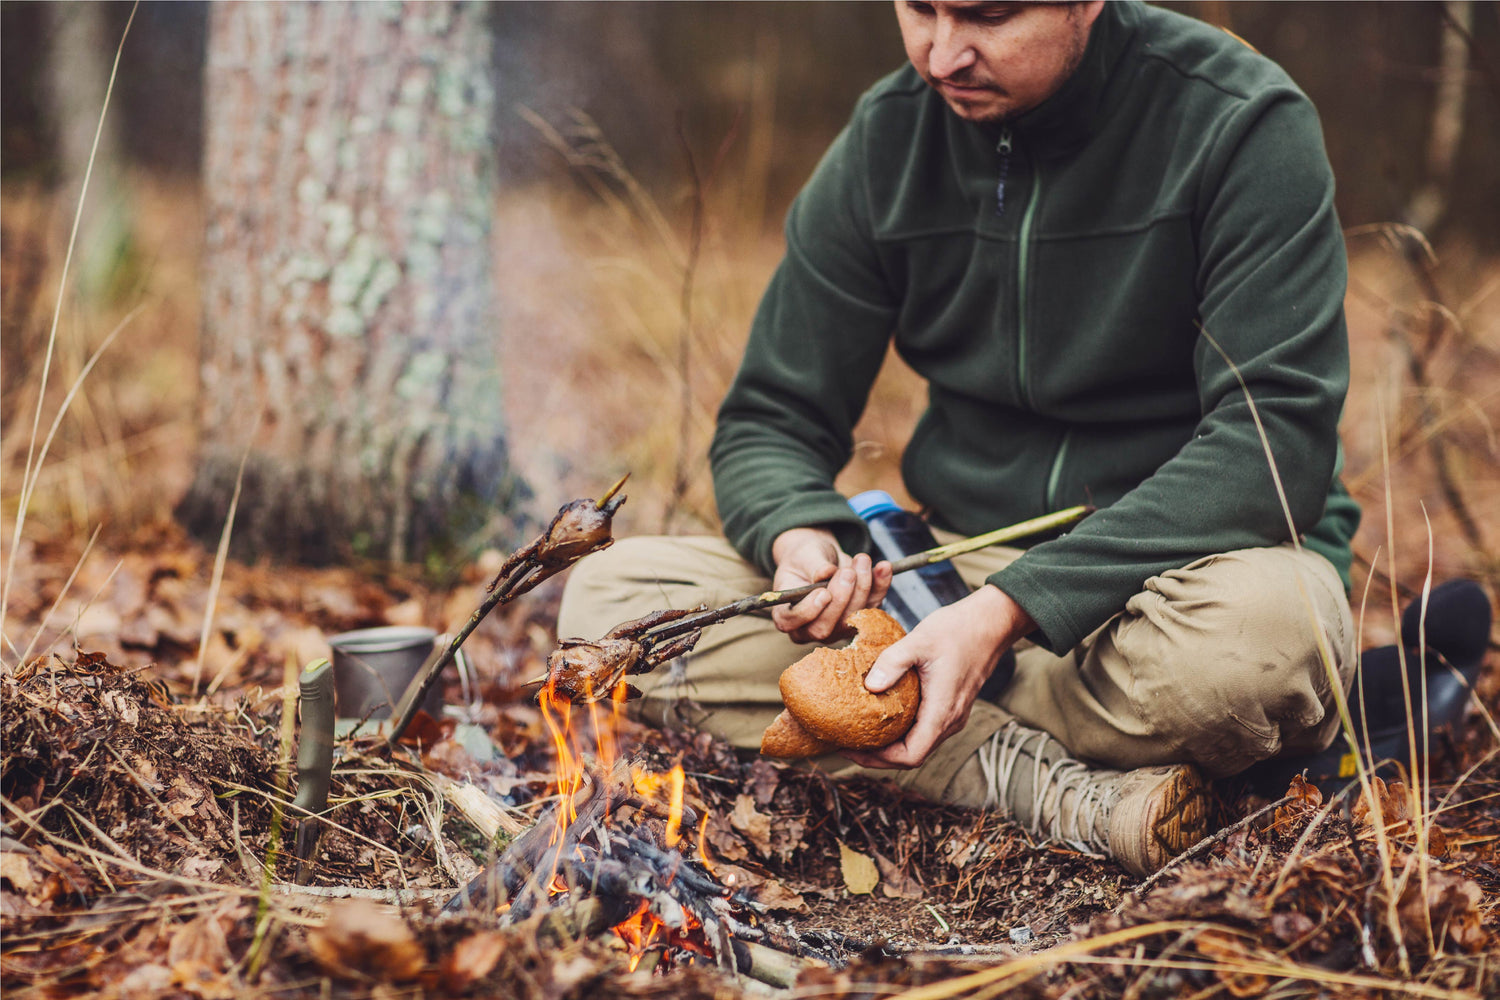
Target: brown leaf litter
<point>141,853</point>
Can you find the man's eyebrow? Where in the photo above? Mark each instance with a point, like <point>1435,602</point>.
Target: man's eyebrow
<point>987,10</point>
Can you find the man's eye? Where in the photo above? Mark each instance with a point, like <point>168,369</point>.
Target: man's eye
<point>995,15</point>
<point>916,7</point>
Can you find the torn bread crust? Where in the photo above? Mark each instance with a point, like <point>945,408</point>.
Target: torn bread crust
<point>828,704</point>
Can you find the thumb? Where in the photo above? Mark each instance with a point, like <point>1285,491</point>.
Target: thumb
<point>896,660</point>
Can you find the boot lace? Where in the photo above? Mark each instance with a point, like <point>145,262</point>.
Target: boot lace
<point>1077,824</point>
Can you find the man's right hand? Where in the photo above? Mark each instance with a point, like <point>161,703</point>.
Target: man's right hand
<point>812,555</point>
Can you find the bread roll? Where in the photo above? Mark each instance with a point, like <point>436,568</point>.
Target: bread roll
<point>827,705</point>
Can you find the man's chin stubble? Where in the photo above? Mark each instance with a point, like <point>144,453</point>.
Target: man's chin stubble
<point>994,117</point>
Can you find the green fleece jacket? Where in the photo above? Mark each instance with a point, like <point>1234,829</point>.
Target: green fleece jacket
<point>1079,287</point>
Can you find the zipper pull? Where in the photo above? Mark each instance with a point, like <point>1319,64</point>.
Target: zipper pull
<point>1003,147</point>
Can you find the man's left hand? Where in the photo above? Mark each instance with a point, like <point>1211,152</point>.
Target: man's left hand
<point>953,650</point>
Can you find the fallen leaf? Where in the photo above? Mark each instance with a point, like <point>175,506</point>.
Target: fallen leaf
<point>201,868</point>
<point>727,844</point>
<point>735,877</point>
<point>773,895</point>
<point>1451,902</point>
<point>895,883</point>
<point>1306,800</point>
<point>184,798</point>
<point>752,823</point>
<point>424,730</point>
<point>15,868</point>
<point>201,946</point>
<point>367,941</point>
<point>472,959</point>
<point>1393,799</point>
<point>960,850</point>
<point>860,874</point>
<point>203,981</point>
<point>764,778</point>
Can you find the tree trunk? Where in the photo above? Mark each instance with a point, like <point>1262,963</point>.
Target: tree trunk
<point>348,352</point>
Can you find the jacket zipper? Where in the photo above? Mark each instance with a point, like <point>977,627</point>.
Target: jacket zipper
<point>1023,260</point>
<point>1003,147</point>
<point>1023,254</point>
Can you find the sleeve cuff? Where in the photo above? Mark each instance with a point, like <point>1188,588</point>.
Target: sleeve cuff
<point>1057,629</point>
<point>819,510</point>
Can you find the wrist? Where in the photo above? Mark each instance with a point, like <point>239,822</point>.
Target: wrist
<point>1008,619</point>
<point>794,538</point>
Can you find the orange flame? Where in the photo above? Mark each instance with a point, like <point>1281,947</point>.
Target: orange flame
<point>558,717</point>
<point>638,931</point>
<point>703,845</point>
<point>650,785</point>
<point>570,739</point>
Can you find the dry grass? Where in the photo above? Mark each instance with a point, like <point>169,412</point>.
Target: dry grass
<point>123,451</point>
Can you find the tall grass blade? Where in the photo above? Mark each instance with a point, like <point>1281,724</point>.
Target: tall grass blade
<point>221,556</point>
<point>1346,720</point>
<point>62,410</point>
<point>28,477</point>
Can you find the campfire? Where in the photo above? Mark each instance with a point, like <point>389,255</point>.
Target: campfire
<point>620,853</point>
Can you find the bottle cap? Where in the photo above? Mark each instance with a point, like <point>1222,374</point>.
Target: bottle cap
<point>872,502</point>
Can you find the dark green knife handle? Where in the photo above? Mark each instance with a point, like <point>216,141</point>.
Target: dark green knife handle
<point>315,747</point>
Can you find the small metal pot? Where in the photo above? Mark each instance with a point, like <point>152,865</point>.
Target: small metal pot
<point>372,666</point>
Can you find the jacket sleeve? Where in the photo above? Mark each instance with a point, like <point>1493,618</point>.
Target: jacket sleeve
<point>817,342</point>
<point>1271,281</point>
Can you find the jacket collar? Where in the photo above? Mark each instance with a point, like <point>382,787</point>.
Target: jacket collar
<point>1064,121</point>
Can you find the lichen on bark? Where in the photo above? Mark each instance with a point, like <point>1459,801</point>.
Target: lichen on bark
<point>348,350</point>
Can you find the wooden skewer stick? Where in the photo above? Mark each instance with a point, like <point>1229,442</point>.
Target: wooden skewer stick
<point>526,575</point>
<point>772,598</point>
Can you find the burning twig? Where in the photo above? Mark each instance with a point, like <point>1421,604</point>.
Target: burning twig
<point>579,527</point>
<point>639,882</point>
<point>538,849</point>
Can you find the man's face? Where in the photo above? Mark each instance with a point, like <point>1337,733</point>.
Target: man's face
<point>993,61</point>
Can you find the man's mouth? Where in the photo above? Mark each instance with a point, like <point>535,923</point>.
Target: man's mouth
<point>958,89</point>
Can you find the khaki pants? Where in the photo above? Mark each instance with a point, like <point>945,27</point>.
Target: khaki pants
<point>1216,663</point>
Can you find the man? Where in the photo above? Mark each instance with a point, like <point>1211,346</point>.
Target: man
<point>1105,235</point>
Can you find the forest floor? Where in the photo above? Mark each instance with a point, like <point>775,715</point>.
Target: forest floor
<point>143,829</point>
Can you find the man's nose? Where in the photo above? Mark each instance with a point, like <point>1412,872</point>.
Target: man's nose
<point>951,51</point>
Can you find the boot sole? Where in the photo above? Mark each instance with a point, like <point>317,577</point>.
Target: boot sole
<point>1182,818</point>
<point>1154,823</point>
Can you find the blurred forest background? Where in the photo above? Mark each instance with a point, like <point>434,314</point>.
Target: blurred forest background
<point>644,156</point>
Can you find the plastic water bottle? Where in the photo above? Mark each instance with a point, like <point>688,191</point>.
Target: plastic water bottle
<point>915,594</point>
<point>894,533</point>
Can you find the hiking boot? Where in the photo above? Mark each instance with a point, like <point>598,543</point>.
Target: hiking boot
<point>1142,818</point>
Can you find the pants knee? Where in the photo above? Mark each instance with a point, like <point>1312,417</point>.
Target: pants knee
<point>1236,656</point>
<point>646,573</point>
<point>595,589</point>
